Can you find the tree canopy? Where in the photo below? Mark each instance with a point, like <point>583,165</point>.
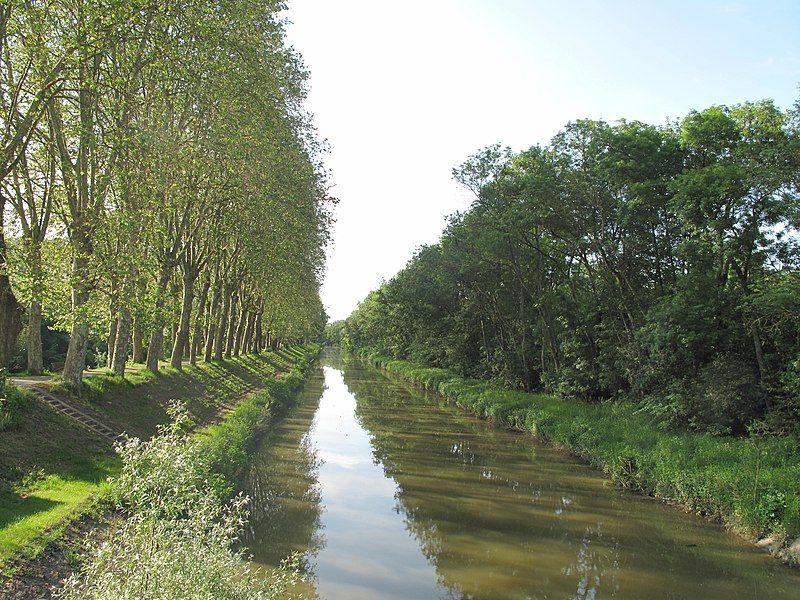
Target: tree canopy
<point>161,184</point>
<point>622,260</point>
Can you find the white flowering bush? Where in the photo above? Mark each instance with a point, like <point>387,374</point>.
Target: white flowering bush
<point>178,539</point>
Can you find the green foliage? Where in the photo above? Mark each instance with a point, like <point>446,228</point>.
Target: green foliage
<point>177,540</point>
<point>656,264</point>
<point>13,404</point>
<point>208,206</point>
<point>41,491</point>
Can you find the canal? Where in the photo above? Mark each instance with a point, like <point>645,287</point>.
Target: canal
<point>388,492</point>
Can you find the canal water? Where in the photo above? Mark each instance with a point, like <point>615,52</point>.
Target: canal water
<point>387,492</point>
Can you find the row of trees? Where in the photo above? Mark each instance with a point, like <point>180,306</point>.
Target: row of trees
<point>160,183</point>
<point>660,264</point>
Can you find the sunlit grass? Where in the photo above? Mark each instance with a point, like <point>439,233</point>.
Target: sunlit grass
<point>31,520</point>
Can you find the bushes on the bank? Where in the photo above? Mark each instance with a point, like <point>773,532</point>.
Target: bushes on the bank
<point>751,484</point>
<point>226,443</point>
<point>178,539</point>
<point>12,404</point>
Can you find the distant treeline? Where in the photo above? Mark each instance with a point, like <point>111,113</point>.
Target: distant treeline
<point>625,261</point>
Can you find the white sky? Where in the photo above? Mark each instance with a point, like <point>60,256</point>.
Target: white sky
<point>405,91</point>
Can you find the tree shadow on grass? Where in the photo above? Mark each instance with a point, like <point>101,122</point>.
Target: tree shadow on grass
<point>14,507</point>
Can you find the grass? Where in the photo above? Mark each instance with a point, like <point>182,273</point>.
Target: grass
<point>52,471</point>
<point>752,485</point>
<point>228,442</point>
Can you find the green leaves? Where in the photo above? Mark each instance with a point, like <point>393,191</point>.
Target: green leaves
<point>620,260</point>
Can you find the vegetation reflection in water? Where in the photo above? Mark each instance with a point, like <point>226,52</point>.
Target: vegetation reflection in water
<point>389,493</point>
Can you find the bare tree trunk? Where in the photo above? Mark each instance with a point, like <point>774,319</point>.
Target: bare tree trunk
<point>138,341</point>
<point>213,317</point>
<point>237,344</point>
<point>35,359</point>
<point>219,343</point>
<point>10,309</point>
<point>155,347</point>
<point>232,319</point>
<point>182,338</point>
<point>121,341</point>
<point>198,325</point>
<point>111,342</point>
<point>75,361</point>
<point>755,333</point>
<point>258,335</point>
<point>248,333</point>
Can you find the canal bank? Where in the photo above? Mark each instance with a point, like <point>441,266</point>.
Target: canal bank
<point>224,446</point>
<point>389,492</point>
<point>748,484</point>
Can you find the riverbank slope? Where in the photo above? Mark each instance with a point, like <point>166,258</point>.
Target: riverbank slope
<point>52,471</point>
<point>751,485</point>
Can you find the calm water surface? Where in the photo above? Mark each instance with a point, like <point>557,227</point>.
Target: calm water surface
<point>389,493</point>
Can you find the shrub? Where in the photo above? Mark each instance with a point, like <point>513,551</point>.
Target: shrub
<point>177,540</point>
<point>13,403</point>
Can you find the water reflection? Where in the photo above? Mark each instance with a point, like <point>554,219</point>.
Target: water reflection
<point>284,490</point>
<point>417,500</point>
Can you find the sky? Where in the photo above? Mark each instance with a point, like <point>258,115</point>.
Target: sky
<point>405,91</point>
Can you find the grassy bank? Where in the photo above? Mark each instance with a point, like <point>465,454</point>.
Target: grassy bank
<point>752,485</point>
<point>52,471</point>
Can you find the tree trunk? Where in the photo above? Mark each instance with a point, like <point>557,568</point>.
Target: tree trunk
<point>35,360</point>
<point>197,338</point>
<point>121,341</point>
<point>154,348</point>
<point>111,342</point>
<point>10,309</point>
<point>75,361</point>
<point>258,335</point>
<point>182,339</point>
<point>248,333</point>
<point>229,338</point>
<point>755,333</point>
<point>138,341</point>
<point>219,342</point>
<point>237,344</point>
<point>213,317</point>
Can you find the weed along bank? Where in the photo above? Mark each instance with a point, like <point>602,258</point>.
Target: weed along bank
<point>179,464</point>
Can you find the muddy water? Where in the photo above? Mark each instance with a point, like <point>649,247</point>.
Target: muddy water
<point>388,493</point>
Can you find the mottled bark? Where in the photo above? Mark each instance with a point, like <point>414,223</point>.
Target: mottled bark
<point>35,359</point>
<point>248,333</point>
<point>258,335</point>
<point>219,342</point>
<point>213,317</point>
<point>197,338</point>
<point>182,337</point>
<point>237,344</point>
<point>111,341</point>
<point>232,320</point>
<point>10,309</point>
<point>122,341</point>
<point>138,341</point>
<point>154,348</point>
<point>75,361</point>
